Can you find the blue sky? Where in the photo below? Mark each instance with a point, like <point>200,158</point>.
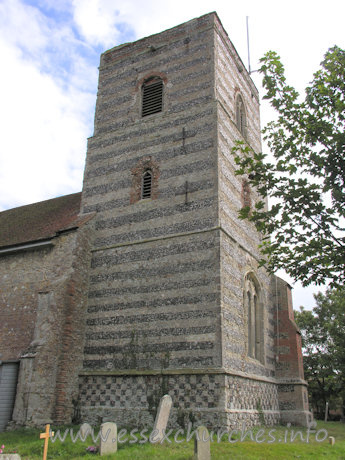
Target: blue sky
<point>50,53</point>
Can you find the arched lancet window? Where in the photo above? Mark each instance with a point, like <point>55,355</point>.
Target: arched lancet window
<point>145,175</point>
<point>253,307</point>
<point>241,121</point>
<point>246,194</point>
<point>152,96</point>
<point>146,184</point>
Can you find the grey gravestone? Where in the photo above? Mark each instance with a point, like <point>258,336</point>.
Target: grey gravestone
<point>162,417</point>
<point>202,449</point>
<point>331,440</point>
<point>108,438</point>
<point>85,430</point>
<point>9,457</point>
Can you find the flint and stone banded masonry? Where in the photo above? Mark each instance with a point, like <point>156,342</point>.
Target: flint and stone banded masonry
<point>176,302</point>
<point>167,310</point>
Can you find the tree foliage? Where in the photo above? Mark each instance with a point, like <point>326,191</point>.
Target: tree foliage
<point>304,228</point>
<point>323,341</point>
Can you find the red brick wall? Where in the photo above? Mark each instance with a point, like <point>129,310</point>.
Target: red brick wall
<point>288,338</point>
<point>292,389</point>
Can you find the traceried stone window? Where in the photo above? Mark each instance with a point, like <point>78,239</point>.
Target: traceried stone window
<point>152,96</point>
<point>254,312</point>
<point>146,184</point>
<point>241,119</point>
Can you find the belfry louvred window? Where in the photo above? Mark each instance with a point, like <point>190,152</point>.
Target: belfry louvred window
<point>152,96</point>
<point>146,186</point>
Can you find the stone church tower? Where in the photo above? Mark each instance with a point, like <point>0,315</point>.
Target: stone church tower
<point>147,282</point>
<point>177,303</point>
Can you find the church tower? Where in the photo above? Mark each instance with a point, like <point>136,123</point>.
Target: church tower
<point>177,303</point>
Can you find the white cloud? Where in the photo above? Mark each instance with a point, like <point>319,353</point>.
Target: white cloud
<point>43,134</point>
<point>96,22</point>
<point>102,21</point>
<point>300,31</point>
<point>46,111</point>
<point>23,26</point>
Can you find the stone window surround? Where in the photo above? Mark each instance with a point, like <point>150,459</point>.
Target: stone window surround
<point>240,114</point>
<point>246,194</point>
<point>138,90</point>
<point>144,164</point>
<point>254,311</point>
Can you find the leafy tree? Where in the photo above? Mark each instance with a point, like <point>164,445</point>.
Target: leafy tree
<point>323,341</point>
<point>305,178</point>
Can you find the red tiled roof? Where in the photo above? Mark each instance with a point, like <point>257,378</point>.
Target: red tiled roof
<point>39,221</point>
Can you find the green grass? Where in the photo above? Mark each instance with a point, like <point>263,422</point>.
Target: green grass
<point>27,444</point>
